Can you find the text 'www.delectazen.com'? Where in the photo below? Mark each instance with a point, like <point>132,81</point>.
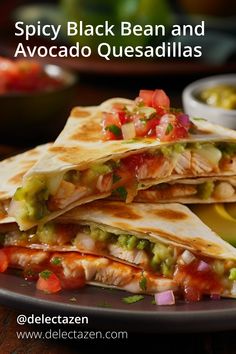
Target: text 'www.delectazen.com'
<point>79,335</point>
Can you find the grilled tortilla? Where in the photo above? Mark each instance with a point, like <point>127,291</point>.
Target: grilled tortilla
<point>82,166</point>
<point>166,240</point>
<point>203,190</point>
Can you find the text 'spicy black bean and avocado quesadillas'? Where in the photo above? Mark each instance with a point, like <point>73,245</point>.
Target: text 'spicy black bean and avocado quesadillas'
<point>119,148</point>
<point>139,247</point>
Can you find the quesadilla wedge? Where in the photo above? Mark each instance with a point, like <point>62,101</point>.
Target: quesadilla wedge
<point>91,160</point>
<point>167,240</point>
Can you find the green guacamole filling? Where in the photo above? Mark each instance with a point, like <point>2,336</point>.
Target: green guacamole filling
<point>34,194</point>
<point>161,256</point>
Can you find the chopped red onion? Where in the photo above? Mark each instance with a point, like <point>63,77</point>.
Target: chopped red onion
<point>203,266</point>
<point>187,257</point>
<point>165,298</point>
<point>215,297</point>
<point>184,120</point>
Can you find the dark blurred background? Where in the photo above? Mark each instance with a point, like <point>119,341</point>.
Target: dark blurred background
<point>99,79</point>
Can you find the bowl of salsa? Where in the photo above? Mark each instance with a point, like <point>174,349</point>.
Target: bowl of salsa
<point>35,100</point>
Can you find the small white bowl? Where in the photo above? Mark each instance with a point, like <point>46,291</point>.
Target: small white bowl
<point>195,108</point>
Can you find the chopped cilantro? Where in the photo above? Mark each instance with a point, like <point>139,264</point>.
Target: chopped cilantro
<point>56,261</point>
<point>114,129</point>
<point>132,299</point>
<point>169,129</point>
<point>45,274</point>
<point>143,283</point>
<point>122,192</point>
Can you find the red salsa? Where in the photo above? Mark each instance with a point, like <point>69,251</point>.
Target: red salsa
<point>25,76</point>
<point>150,117</point>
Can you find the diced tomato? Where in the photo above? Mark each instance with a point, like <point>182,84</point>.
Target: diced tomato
<point>111,120</point>
<point>151,126</point>
<point>3,261</point>
<point>160,98</point>
<point>48,282</point>
<point>179,133</point>
<point>123,117</point>
<point>146,96</point>
<point>156,98</point>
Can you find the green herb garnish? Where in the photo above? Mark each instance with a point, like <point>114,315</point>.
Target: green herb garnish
<point>114,129</point>
<point>122,192</point>
<point>132,299</point>
<point>45,274</point>
<point>169,129</point>
<point>56,261</point>
<point>143,283</point>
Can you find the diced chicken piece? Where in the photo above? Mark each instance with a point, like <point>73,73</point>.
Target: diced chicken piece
<point>183,162</point>
<point>114,274</point>
<point>223,190</point>
<point>84,242</point>
<point>151,169</point>
<point>167,193</point>
<point>67,194</point>
<point>72,269</point>
<point>138,257</point>
<point>104,183</point>
<point>23,257</point>
<point>91,267</point>
<point>199,165</point>
<point>228,164</point>
<point>154,284</point>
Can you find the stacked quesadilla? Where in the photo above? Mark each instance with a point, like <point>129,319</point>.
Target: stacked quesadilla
<point>125,150</point>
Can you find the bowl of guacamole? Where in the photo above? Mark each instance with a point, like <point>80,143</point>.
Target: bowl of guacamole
<point>212,98</point>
